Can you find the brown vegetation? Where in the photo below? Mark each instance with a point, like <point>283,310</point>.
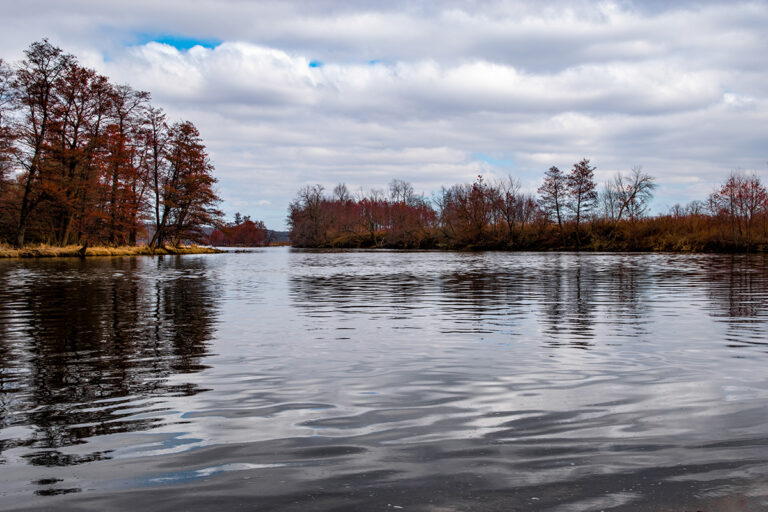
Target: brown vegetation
<point>50,251</point>
<point>243,232</point>
<point>84,161</point>
<point>568,214</point>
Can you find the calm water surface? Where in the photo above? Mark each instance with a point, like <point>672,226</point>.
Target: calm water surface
<point>291,380</point>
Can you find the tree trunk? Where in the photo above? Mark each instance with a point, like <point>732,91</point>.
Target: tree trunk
<point>26,207</point>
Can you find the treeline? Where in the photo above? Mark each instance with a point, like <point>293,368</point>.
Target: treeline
<point>243,232</point>
<point>83,160</point>
<point>567,212</point>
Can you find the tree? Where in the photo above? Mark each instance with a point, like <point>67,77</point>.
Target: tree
<point>629,195</point>
<point>308,218</point>
<point>507,203</point>
<point>128,172</point>
<point>401,191</point>
<point>527,211</point>
<point>35,84</point>
<point>582,193</point>
<point>90,156</point>
<point>553,195</point>
<point>156,142</point>
<point>188,197</point>
<point>7,151</point>
<point>70,172</point>
<point>373,215</point>
<point>7,138</point>
<point>466,211</point>
<point>243,233</point>
<point>341,193</point>
<point>741,199</point>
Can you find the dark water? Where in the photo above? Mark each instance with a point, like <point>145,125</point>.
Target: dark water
<point>288,380</point>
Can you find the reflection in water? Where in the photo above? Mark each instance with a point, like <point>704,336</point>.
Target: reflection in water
<point>87,345</point>
<point>368,380</point>
<point>567,296</point>
<point>737,290</point>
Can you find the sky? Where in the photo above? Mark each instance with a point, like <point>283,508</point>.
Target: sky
<point>289,93</point>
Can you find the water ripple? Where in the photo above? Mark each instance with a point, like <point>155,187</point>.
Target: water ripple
<point>295,380</point>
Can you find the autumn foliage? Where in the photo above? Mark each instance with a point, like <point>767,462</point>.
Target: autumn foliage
<point>243,232</point>
<point>401,220</point>
<point>568,212</point>
<point>83,160</point>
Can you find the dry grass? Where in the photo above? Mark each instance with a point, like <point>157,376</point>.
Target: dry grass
<point>49,251</point>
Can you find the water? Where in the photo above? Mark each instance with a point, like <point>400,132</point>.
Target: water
<point>292,380</point>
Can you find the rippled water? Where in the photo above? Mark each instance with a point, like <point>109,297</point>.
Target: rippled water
<point>292,380</point>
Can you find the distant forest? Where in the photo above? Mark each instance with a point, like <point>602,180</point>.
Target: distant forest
<point>567,213</point>
<point>244,232</point>
<point>83,160</point>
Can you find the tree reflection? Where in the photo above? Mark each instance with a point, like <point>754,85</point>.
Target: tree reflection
<point>738,290</point>
<point>483,295</point>
<point>94,340</point>
<point>568,302</point>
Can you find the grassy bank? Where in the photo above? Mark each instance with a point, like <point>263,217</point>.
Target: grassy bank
<point>686,234</point>
<point>50,251</point>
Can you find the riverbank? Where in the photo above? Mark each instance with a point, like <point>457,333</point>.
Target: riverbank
<point>50,251</point>
<point>694,234</point>
<point>547,242</point>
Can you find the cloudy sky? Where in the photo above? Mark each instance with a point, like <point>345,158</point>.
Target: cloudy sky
<point>288,93</point>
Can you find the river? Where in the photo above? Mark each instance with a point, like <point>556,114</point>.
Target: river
<point>281,379</point>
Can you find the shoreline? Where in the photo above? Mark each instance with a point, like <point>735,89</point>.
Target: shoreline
<point>544,250</point>
<point>74,251</point>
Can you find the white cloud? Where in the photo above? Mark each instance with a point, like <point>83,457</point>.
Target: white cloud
<point>415,90</point>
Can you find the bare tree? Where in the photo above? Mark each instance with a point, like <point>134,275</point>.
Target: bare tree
<point>157,141</point>
<point>695,207</point>
<point>610,201</point>
<point>401,191</point>
<point>509,202</point>
<point>7,149</point>
<point>341,193</point>
<point>630,194</point>
<point>377,194</point>
<point>581,186</point>
<point>553,195</point>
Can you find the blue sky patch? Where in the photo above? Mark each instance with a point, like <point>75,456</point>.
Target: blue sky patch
<point>178,41</point>
<point>498,162</point>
